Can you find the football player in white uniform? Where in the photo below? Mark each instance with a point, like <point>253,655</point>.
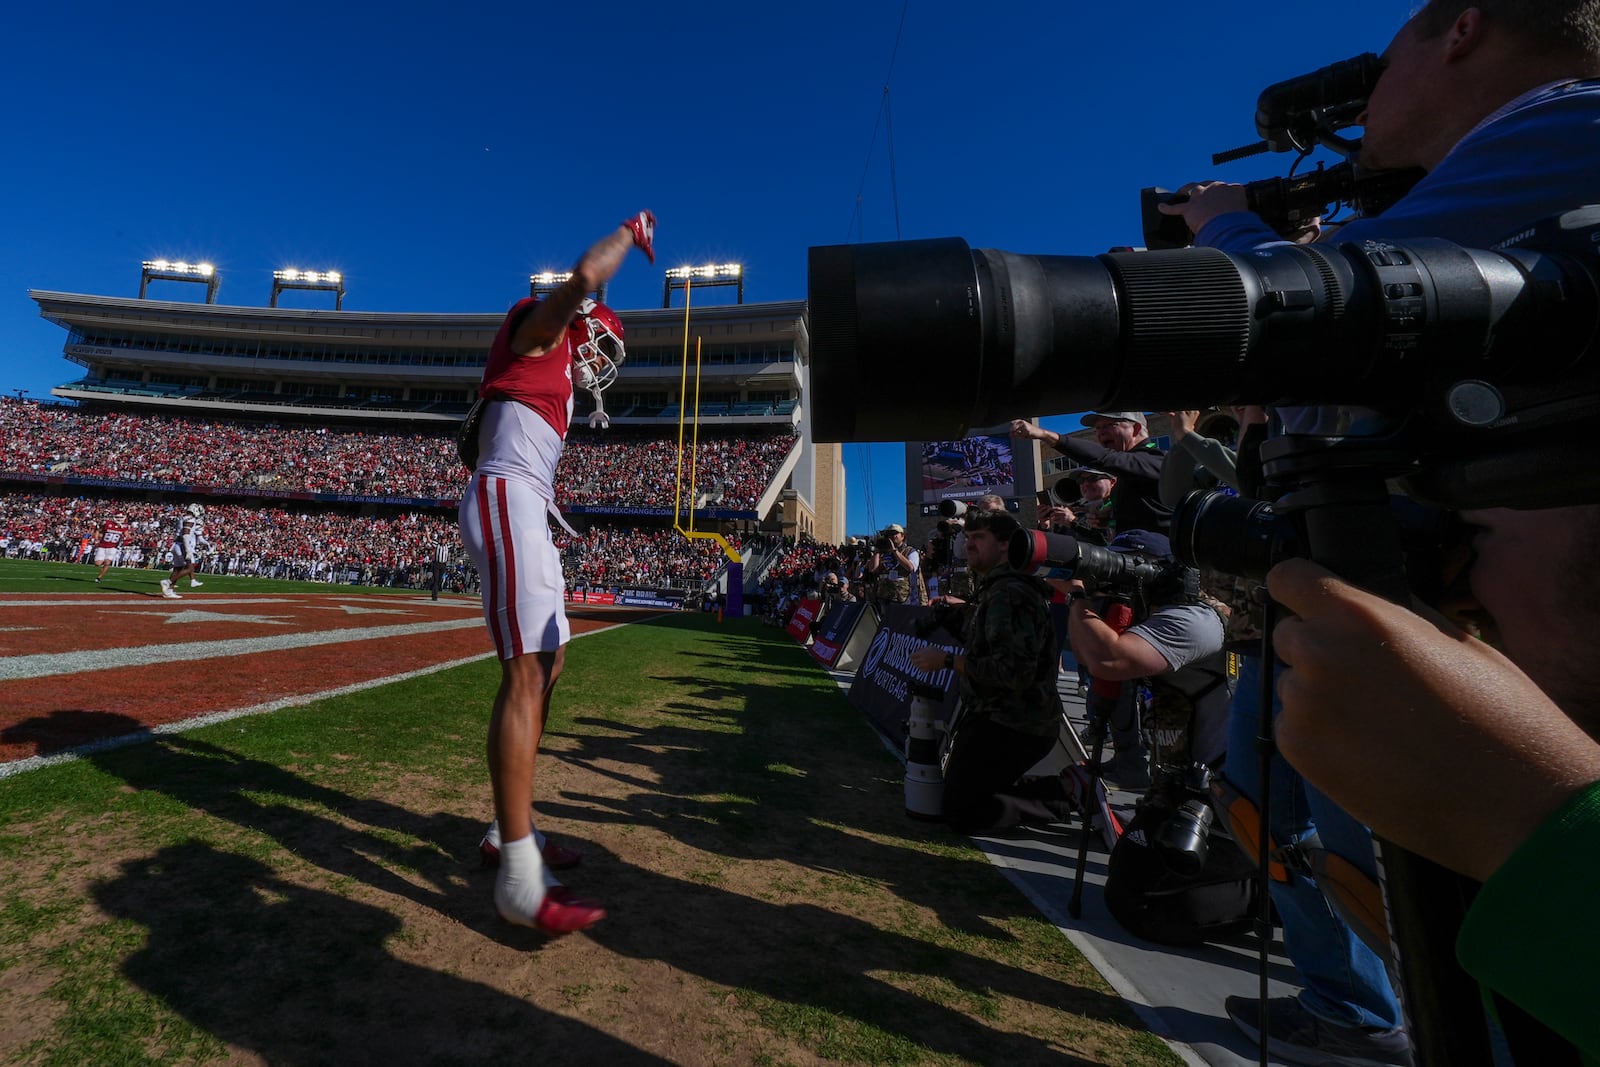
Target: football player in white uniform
<point>186,551</point>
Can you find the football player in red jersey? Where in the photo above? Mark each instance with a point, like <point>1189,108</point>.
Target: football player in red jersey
<point>109,544</point>
<point>512,440</point>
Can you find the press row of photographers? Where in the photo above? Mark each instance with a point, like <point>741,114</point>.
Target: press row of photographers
<point>1499,102</point>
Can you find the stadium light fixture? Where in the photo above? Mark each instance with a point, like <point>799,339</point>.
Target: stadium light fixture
<point>327,281</point>
<point>168,270</point>
<point>546,282</point>
<point>703,275</point>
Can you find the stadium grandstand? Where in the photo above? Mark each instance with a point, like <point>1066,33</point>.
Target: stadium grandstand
<point>322,441</point>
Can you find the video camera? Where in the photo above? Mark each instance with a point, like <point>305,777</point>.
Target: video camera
<point>1297,115</point>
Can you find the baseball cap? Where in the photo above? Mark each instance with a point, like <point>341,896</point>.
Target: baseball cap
<point>894,527</point>
<point>1130,416</point>
<point>1144,542</point>
<point>1090,472</point>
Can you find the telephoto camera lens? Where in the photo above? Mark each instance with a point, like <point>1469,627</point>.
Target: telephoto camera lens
<point>1232,534</point>
<point>1182,838</point>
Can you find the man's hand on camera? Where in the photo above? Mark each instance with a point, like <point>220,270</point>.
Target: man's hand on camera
<point>1057,516</point>
<point>1432,738</point>
<point>1206,200</point>
<point>948,601</point>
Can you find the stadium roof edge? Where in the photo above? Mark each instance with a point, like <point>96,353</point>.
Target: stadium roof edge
<point>86,301</point>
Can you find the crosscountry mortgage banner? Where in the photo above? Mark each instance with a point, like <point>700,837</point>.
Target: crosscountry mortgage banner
<point>880,690</point>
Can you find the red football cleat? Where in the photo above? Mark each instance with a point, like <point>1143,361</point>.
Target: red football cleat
<point>559,857</point>
<point>563,912</point>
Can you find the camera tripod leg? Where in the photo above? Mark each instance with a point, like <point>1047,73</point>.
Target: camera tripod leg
<point>1090,802</point>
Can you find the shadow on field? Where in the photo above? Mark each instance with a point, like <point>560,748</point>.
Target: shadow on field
<point>71,728</point>
<point>302,976</point>
<point>788,773</point>
<point>368,840</point>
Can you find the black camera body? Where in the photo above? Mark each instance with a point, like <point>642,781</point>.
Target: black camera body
<point>883,544</point>
<point>1183,832</point>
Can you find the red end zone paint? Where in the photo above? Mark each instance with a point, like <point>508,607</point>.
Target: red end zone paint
<point>134,662</point>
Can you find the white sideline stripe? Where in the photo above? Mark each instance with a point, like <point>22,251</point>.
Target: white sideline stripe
<point>33,763</point>
<point>45,664</point>
<point>139,600</point>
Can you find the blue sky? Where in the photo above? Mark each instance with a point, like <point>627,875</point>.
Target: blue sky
<point>438,156</point>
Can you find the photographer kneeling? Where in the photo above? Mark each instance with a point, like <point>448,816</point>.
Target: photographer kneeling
<point>1175,642</point>
<point>1011,713</point>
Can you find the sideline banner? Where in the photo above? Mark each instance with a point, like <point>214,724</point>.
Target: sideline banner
<point>827,641</point>
<point>880,687</point>
<point>649,600</point>
<point>580,597</point>
<point>799,626</point>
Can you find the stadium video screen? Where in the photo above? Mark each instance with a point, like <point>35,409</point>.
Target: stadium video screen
<point>968,468</point>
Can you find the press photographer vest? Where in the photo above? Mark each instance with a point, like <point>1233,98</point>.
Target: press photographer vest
<point>891,565</point>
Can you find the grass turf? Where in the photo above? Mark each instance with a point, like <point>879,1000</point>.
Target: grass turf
<point>231,887</point>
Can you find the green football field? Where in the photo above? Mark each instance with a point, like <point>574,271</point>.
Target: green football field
<point>303,886</point>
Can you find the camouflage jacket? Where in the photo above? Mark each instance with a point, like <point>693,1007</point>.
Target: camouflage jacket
<point>1011,657</point>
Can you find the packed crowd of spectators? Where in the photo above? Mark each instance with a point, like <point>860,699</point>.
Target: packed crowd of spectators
<point>609,557</point>
<point>331,546</point>
<point>270,542</point>
<point>621,467</point>
<point>163,450</point>
<point>634,468</point>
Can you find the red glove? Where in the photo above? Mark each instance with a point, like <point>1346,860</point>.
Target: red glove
<point>643,226</point>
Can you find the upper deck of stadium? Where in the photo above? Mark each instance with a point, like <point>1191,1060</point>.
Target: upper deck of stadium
<point>410,367</point>
<point>420,370</point>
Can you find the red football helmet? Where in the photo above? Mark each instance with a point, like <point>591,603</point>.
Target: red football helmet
<point>597,349</point>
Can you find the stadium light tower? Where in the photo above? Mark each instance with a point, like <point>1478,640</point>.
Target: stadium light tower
<point>328,281</point>
<point>166,270</point>
<point>546,282</point>
<point>709,274</point>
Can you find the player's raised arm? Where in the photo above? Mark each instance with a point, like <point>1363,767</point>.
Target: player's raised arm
<point>539,331</point>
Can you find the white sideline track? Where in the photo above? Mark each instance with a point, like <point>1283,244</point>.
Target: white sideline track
<point>31,763</point>
<point>1178,992</point>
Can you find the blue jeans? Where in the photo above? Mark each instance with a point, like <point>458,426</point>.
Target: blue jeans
<point>1345,981</point>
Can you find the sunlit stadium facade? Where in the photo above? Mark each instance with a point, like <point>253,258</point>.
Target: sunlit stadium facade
<point>421,370</point>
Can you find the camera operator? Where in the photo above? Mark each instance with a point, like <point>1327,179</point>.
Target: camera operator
<point>958,582</point>
<point>1089,517</point>
<point>1122,447</point>
<point>1493,770</point>
<point>1498,102</point>
<point>1011,713</point>
<point>1176,645</point>
<point>893,567</point>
